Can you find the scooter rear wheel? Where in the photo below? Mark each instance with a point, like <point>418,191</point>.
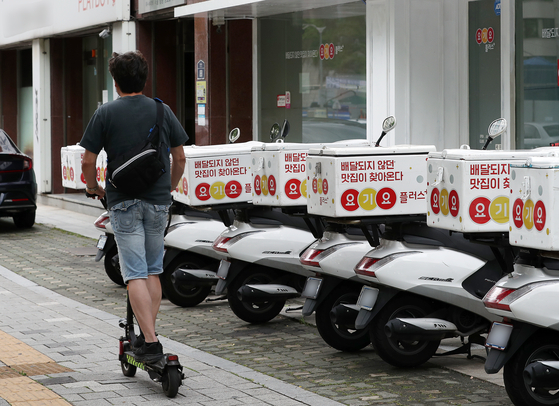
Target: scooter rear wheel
<point>184,296</point>
<point>172,378</point>
<point>257,312</point>
<point>342,338</point>
<point>540,347</point>
<point>398,352</point>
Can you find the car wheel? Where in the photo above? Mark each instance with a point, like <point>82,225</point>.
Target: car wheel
<point>25,219</point>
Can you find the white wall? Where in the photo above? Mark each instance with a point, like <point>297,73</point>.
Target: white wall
<point>418,64</point>
<point>41,115</point>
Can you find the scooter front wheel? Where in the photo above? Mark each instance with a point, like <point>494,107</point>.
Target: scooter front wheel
<point>253,312</point>
<point>341,337</point>
<point>128,369</point>
<point>171,381</point>
<point>402,352</point>
<point>540,347</point>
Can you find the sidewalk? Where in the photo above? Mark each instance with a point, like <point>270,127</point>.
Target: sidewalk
<point>56,351</point>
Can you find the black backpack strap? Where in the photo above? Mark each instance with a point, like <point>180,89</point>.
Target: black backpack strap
<point>153,136</point>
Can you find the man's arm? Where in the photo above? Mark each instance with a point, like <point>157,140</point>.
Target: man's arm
<point>90,174</point>
<point>177,166</point>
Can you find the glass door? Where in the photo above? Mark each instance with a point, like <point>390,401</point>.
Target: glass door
<point>484,42</point>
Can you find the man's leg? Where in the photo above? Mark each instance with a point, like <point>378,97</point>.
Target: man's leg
<point>145,299</point>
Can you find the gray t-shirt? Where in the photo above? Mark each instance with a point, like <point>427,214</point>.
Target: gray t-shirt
<point>123,124</point>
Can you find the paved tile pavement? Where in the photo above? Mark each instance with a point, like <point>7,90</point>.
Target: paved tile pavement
<point>289,350</point>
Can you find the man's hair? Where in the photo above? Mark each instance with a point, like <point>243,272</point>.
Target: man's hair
<point>129,70</point>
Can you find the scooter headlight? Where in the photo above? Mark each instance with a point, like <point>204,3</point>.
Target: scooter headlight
<point>501,298</point>
<point>223,243</point>
<point>368,265</point>
<point>312,256</point>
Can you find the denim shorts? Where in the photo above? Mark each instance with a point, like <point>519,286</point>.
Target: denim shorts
<point>139,229</point>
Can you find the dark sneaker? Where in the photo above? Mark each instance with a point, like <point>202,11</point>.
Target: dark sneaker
<point>149,353</point>
<point>140,341</point>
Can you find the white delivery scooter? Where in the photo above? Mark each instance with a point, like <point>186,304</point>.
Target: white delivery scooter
<point>527,343</point>
<point>428,285</point>
<point>260,251</point>
<point>190,264</point>
<point>334,289</point>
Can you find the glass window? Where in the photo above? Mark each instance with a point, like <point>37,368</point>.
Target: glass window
<point>312,72</point>
<point>537,84</point>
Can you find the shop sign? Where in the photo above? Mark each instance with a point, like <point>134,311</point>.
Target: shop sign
<point>280,100</point>
<point>497,7</point>
<point>486,36</point>
<point>146,6</point>
<point>325,51</point>
<point>24,20</point>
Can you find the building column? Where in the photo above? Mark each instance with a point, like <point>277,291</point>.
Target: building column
<point>42,161</point>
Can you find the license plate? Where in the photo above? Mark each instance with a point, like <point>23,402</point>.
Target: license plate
<point>367,298</point>
<point>223,269</point>
<point>312,287</point>
<point>499,335</point>
<point>101,242</point>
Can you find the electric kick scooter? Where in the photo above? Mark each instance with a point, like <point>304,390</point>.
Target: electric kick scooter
<point>167,371</point>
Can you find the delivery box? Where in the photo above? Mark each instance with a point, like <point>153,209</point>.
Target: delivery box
<point>71,159</point>
<point>367,181</point>
<point>216,174</point>
<point>469,190</point>
<point>279,172</point>
<point>534,219</point>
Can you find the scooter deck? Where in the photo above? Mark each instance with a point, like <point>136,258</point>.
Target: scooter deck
<point>158,366</point>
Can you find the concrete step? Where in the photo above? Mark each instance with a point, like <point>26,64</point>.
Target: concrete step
<point>76,202</point>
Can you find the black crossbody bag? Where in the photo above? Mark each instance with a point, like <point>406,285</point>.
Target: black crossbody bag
<point>136,171</point>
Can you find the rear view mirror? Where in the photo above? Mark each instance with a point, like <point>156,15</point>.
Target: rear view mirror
<point>275,132</point>
<point>285,129</point>
<point>496,128</point>
<point>234,135</point>
<point>388,124</point>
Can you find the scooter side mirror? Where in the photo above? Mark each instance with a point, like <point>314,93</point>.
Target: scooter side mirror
<point>285,129</point>
<point>275,132</point>
<point>234,135</point>
<point>496,128</point>
<point>387,125</point>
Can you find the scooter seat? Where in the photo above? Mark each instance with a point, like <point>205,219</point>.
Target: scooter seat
<point>274,216</point>
<point>421,233</point>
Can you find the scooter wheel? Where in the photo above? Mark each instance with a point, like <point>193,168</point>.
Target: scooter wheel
<point>542,346</point>
<point>253,312</point>
<point>183,295</point>
<point>399,352</point>
<point>342,338</point>
<point>128,369</point>
<point>172,379</point>
<point>112,271</point>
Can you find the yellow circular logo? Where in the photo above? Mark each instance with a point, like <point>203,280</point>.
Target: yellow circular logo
<point>217,190</point>
<point>443,199</point>
<point>499,209</point>
<point>528,214</point>
<point>367,199</point>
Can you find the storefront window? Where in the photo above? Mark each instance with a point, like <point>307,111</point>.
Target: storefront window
<point>312,72</point>
<point>537,84</point>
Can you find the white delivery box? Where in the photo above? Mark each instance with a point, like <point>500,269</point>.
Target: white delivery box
<point>367,181</point>
<point>279,172</point>
<point>469,189</point>
<point>71,159</point>
<point>216,174</point>
<point>534,198</point>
